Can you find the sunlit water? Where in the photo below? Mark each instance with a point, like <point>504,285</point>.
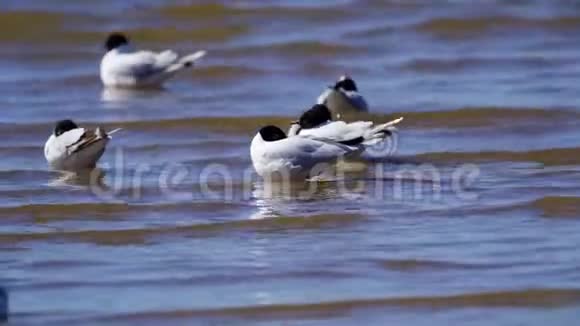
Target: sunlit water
<point>474,221</point>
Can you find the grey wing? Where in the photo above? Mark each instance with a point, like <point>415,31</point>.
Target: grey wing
<point>319,150</point>
<point>145,71</point>
<point>356,100</point>
<point>149,64</point>
<point>339,130</point>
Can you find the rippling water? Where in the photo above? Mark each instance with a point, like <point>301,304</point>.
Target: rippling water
<point>474,221</point>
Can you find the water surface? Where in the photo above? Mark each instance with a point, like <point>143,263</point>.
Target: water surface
<point>489,234</point>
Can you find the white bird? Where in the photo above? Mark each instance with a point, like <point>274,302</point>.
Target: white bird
<point>71,148</point>
<point>343,97</point>
<point>317,123</point>
<point>276,156</point>
<point>122,66</point>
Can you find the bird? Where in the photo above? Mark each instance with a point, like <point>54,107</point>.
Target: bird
<point>71,148</point>
<point>343,97</point>
<point>317,123</point>
<point>275,156</point>
<point>316,116</point>
<point>123,66</point>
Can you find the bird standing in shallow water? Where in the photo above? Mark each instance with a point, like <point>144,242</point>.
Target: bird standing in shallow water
<point>71,148</point>
<point>343,97</point>
<point>123,66</point>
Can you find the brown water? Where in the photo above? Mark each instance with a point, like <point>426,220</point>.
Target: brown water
<point>474,221</point>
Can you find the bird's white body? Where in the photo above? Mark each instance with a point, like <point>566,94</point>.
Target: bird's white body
<point>76,149</point>
<point>341,131</point>
<point>295,157</point>
<point>341,101</point>
<point>125,67</point>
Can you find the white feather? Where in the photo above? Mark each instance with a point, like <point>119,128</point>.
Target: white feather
<point>342,131</point>
<point>124,67</point>
<point>71,152</point>
<point>295,157</point>
<point>109,133</point>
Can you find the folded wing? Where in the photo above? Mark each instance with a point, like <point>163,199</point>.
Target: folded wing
<point>304,151</point>
<point>356,100</point>
<point>343,101</point>
<point>338,130</point>
<point>146,65</point>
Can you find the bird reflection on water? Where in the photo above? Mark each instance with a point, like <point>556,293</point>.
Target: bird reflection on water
<point>93,179</point>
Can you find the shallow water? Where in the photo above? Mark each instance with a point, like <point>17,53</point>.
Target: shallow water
<point>474,221</point>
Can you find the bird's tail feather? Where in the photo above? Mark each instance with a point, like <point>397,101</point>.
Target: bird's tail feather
<point>381,131</point>
<point>190,59</point>
<point>392,123</point>
<point>109,133</point>
<point>184,62</point>
<point>101,133</point>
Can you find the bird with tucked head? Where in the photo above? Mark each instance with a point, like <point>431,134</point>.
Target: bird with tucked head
<point>73,148</point>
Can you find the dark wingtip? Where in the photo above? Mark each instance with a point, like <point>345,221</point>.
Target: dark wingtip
<point>352,142</point>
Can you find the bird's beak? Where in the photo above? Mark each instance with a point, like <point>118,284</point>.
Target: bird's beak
<point>295,122</point>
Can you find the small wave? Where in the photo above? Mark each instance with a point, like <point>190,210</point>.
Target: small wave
<point>295,49</point>
<point>463,27</point>
<point>47,27</point>
<point>223,11</point>
<point>449,65</point>
<point>547,157</point>
<point>226,72</point>
<point>469,117</point>
<point>171,35</point>
<point>548,206</point>
<point>9,150</point>
<point>532,298</point>
<point>412,265</point>
<point>15,174</point>
<point>453,118</point>
<point>370,32</point>
<point>246,124</point>
<point>213,278</point>
<point>222,124</point>
<point>49,212</point>
<point>558,206</point>
<point>146,234</point>
<point>202,146</point>
<point>80,28</point>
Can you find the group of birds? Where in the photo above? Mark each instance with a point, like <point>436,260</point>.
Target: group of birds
<point>316,137</point>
